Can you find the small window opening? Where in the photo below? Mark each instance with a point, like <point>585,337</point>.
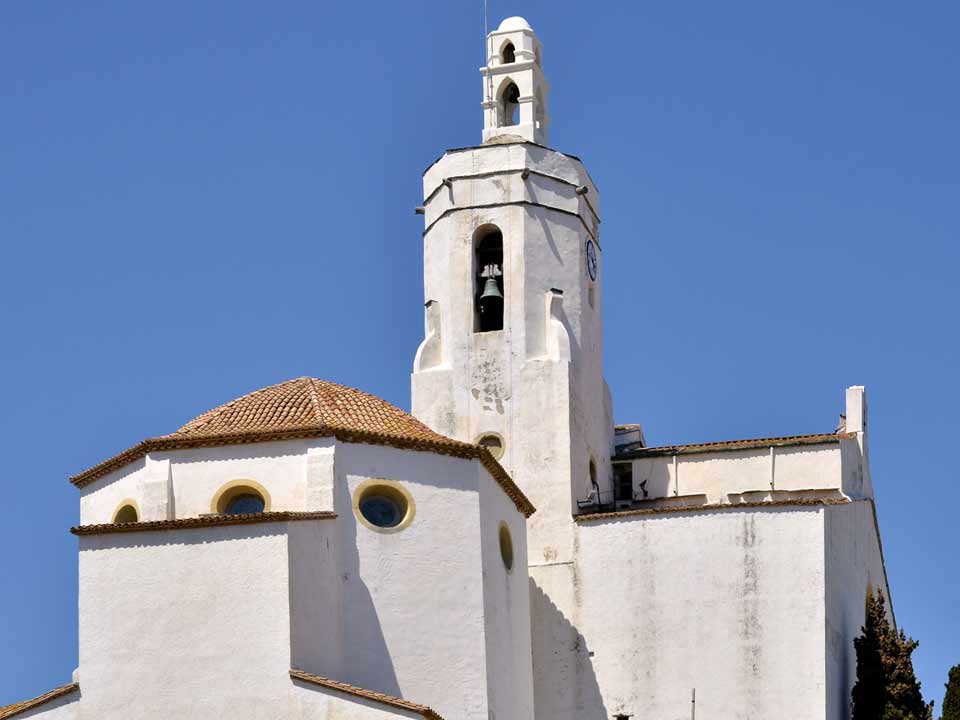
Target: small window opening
<point>506,546</point>
<point>126,514</point>
<point>493,443</point>
<point>509,54</point>
<point>510,106</point>
<point>383,506</point>
<point>240,497</point>
<point>489,282</point>
<point>623,479</point>
<point>244,504</point>
<point>594,487</point>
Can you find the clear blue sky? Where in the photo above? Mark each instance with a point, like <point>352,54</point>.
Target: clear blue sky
<point>199,199</point>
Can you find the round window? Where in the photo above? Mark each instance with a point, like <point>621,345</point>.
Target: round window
<point>383,505</point>
<point>493,443</point>
<point>506,546</point>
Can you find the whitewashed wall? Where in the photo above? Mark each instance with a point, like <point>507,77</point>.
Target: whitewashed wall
<point>506,612</point>
<point>186,623</point>
<point>538,382</point>
<point>853,563</point>
<point>717,475</point>
<point>413,600</point>
<point>183,483</point>
<point>729,602</point>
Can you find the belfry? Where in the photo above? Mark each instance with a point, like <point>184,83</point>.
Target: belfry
<point>502,552</point>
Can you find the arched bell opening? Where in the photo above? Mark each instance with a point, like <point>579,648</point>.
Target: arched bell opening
<point>508,54</point>
<point>509,104</point>
<point>488,279</point>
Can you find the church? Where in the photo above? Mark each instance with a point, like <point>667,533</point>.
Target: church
<point>504,551</point>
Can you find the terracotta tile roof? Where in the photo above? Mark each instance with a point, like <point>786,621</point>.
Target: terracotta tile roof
<point>388,700</point>
<point>629,452</point>
<point>9,711</point>
<point>714,507</point>
<point>304,408</point>
<point>200,522</point>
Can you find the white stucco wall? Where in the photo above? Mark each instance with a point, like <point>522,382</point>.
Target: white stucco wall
<point>727,602</point>
<point>413,619</point>
<point>183,483</point>
<point>538,382</point>
<point>717,475</point>
<point>506,599</point>
<point>188,623</point>
<point>853,563</point>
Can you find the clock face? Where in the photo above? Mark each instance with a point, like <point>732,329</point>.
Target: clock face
<point>592,260</point>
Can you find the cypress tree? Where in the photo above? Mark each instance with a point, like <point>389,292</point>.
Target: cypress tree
<point>868,691</point>
<point>886,686</point>
<point>951,701</point>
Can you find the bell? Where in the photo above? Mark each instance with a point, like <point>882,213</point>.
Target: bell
<point>491,290</point>
<point>491,302</point>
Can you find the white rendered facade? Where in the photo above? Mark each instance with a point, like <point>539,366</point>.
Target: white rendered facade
<point>726,580</point>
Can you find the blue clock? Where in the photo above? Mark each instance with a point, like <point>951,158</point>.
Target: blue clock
<point>592,260</point>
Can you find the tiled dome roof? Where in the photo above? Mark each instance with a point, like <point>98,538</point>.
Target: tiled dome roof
<point>304,408</point>
<point>306,404</point>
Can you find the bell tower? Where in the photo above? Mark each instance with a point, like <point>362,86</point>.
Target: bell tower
<point>514,88</point>
<point>511,356</point>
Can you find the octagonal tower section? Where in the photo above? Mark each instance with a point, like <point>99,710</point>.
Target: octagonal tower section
<point>512,355</point>
<point>303,539</point>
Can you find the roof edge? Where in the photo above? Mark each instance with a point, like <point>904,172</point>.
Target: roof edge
<point>201,522</point>
<point>9,711</point>
<point>626,453</point>
<point>713,507</point>
<point>450,447</point>
<point>388,700</point>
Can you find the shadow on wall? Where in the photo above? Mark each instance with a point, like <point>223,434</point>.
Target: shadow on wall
<point>564,681</point>
<point>366,658</point>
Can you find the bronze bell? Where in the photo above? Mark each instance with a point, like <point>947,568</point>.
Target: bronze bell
<point>491,290</point>
<point>491,299</point>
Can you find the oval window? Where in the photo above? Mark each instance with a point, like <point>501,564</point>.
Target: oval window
<point>493,443</point>
<point>383,505</point>
<point>506,546</point>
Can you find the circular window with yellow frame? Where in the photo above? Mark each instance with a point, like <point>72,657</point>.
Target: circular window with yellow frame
<point>384,506</point>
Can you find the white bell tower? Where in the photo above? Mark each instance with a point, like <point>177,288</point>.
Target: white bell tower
<point>512,276</point>
<point>514,88</point>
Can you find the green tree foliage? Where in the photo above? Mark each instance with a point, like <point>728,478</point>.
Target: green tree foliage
<point>951,701</point>
<point>886,687</point>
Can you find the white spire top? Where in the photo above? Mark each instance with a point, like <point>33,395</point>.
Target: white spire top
<point>514,87</point>
<point>514,23</point>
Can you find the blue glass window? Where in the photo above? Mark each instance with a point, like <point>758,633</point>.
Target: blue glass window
<point>245,504</point>
<point>382,511</point>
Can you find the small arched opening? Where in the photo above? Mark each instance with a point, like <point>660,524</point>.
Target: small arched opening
<point>508,54</point>
<point>510,105</point>
<point>594,486</point>
<point>488,279</point>
<point>126,513</point>
<point>241,497</point>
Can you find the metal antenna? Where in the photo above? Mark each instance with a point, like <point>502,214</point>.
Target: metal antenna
<point>486,50</point>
